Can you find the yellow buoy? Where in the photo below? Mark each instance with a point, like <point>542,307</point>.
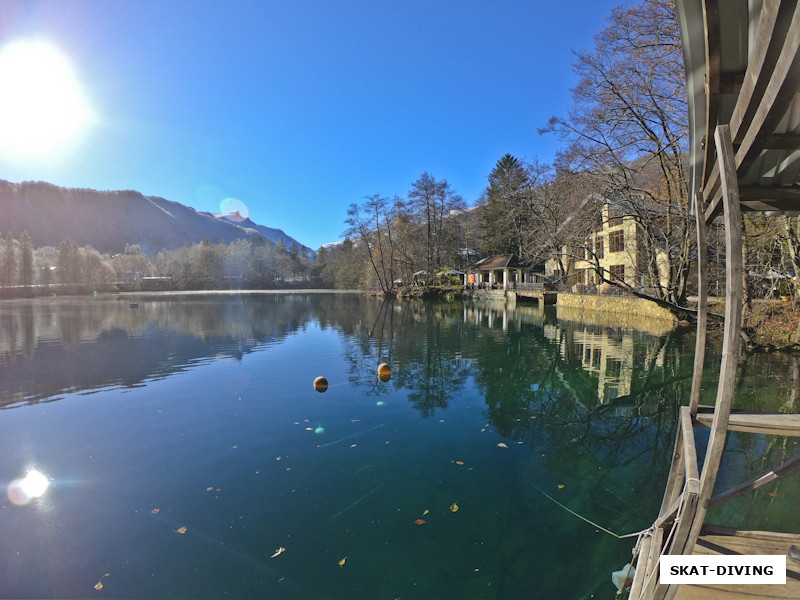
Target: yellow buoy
<point>384,369</point>
<point>320,384</point>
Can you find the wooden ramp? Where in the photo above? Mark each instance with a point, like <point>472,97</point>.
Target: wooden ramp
<point>720,540</point>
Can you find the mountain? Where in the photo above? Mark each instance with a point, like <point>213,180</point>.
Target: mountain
<point>109,220</point>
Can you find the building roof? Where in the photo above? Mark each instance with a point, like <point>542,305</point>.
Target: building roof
<point>502,261</point>
<point>742,61</point>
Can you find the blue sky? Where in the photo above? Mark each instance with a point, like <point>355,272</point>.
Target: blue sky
<point>298,108</point>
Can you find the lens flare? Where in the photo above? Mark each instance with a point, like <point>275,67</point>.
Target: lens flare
<point>23,490</point>
<point>235,209</point>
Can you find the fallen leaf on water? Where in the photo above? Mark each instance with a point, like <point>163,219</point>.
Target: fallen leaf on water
<point>420,521</point>
<point>341,562</point>
<point>561,486</point>
<point>453,507</point>
<point>181,530</point>
<point>98,586</point>
<point>502,445</point>
<point>155,511</point>
<point>280,550</point>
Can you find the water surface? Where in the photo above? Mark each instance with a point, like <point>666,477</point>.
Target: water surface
<point>153,414</point>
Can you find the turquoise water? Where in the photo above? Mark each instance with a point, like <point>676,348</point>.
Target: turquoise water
<point>198,412</point>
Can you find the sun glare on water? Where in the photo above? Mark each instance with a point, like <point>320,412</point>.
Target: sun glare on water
<point>23,490</point>
<point>43,110</point>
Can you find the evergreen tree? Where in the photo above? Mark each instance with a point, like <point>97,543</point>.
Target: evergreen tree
<point>9,261</point>
<point>26,259</point>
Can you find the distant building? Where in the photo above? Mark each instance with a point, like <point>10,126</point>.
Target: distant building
<point>502,272</point>
<point>615,249</point>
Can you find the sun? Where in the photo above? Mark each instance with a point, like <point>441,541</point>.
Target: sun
<point>43,109</point>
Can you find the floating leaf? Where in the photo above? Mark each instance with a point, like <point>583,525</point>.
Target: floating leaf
<point>453,507</point>
<point>502,445</point>
<point>341,562</point>
<point>420,521</point>
<point>98,586</point>
<point>181,530</point>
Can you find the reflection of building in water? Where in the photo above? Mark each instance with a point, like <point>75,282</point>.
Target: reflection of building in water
<point>501,314</point>
<point>611,355</point>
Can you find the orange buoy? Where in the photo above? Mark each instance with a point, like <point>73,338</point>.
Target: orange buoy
<point>384,369</point>
<point>320,384</point>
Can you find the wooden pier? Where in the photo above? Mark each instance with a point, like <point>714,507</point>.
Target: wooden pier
<point>743,77</point>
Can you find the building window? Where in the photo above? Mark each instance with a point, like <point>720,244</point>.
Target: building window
<point>617,272</point>
<point>599,246</point>
<point>614,216</point>
<point>616,241</point>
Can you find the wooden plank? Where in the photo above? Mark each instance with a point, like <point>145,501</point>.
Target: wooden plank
<point>689,452</point>
<point>781,89</point>
<point>653,559</point>
<point>769,423</point>
<point>760,64</point>
<point>702,305</point>
<point>713,43</point>
<point>779,537</point>
<point>675,480</point>
<point>731,335</point>
<point>641,568</point>
<point>756,482</point>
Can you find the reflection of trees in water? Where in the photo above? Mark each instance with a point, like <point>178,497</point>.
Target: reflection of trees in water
<point>90,343</point>
<point>420,340</point>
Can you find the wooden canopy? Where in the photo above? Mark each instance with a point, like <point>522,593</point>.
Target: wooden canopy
<point>743,69</point>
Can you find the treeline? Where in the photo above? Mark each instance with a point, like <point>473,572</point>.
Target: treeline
<point>242,264</point>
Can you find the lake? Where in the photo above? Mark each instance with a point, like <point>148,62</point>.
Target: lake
<point>187,454</point>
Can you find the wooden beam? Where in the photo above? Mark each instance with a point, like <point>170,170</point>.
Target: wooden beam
<point>774,424</point>
<point>783,141</point>
<point>732,332</point>
<point>771,192</point>
<point>702,306</point>
<point>689,452</point>
<point>731,82</point>
<point>756,482</point>
<point>713,43</point>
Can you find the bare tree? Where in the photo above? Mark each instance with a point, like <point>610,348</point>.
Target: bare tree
<point>628,127</point>
<point>371,223</point>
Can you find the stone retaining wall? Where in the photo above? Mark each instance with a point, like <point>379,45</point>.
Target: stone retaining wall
<point>630,309</point>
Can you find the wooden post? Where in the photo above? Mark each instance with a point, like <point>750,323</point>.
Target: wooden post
<point>702,303</point>
<point>733,326</point>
